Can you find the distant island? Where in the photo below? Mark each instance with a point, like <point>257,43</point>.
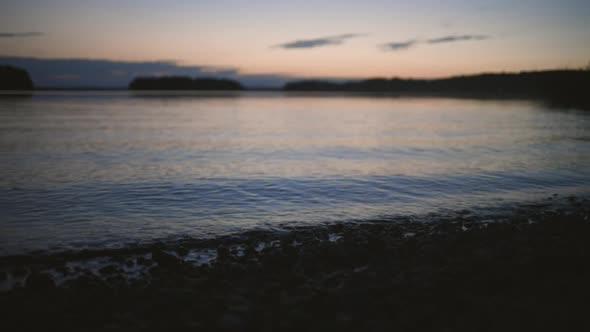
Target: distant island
<point>568,88</point>
<point>183,83</point>
<point>565,87</point>
<point>13,78</point>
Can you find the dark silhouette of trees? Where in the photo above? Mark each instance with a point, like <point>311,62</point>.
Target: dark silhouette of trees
<point>13,78</point>
<point>532,83</point>
<point>183,83</point>
<point>564,87</point>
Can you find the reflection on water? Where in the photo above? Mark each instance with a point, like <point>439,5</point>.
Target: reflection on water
<point>104,168</point>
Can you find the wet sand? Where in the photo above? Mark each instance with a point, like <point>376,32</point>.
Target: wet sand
<point>525,269</point>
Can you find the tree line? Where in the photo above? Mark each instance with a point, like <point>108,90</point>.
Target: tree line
<point>564,87</point>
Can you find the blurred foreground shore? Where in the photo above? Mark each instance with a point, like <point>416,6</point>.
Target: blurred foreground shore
<point>525,270</point>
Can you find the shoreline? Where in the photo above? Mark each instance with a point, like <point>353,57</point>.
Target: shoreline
<point>528,269</point>
<point>552,103</point>
<point>501,212</point>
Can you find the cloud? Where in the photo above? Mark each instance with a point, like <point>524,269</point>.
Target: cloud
<point>318,42</point>
<point>456,38</point>
<point>19,34</point>
<point>399,46</point>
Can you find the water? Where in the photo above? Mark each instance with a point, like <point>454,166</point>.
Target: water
<point>96,169</point>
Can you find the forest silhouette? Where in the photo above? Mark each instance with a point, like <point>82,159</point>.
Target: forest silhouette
<point>560,87</point>
<point>13,78</point>
<point>564,87</point>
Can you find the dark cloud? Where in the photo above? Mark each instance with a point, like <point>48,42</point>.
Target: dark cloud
<point>318,42</point>
<point>456,38</point>
<point>399,46</point>
<point>72,73</point>
<point>19,34</point>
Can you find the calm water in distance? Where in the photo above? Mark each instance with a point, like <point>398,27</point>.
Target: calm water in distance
<point>95,169</point>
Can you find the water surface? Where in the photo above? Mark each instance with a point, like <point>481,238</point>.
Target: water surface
<point>94,169</point>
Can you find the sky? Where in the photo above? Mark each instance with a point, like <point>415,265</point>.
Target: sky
<point>264,42</point>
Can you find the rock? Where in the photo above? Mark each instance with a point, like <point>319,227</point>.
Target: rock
<point>19,272</point>
<point>250,251</point>
<point>223,253</point>
<point>238,303</point>
<point>116,280</point>
<point>118,258</point>
<point>39,282</point>
<point>143,261</point>
<point>182,251</point>
<point>231,322</point>
<point>165,259</point>
<point>109,269</point>
<point>63,269</point>
<point>86,281</point>
<point>360,269</point>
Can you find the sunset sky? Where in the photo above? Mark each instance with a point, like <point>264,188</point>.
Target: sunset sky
<point>273,39</point>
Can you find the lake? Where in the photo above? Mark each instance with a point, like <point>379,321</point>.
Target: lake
<point>103,169</point>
